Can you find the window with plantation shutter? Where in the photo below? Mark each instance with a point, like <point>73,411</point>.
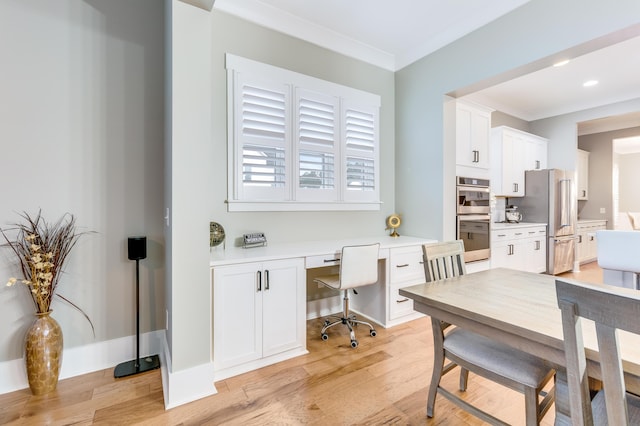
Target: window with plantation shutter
<point>263,131</point>
<point>298,142</point>
<point>317,140</point>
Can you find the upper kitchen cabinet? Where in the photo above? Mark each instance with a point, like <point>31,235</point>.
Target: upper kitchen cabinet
<point>473,127</point>
<point>512,153</point>
<point>583,175</point>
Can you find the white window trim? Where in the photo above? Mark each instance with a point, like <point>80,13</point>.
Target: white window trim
<point>299,199</point>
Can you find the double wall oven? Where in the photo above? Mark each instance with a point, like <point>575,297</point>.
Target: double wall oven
<point>473,213</point>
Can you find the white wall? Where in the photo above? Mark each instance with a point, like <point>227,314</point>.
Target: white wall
<point>81,131</point>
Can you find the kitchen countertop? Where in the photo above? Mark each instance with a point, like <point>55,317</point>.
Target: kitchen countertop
<point>510,225</point>
<point>582,221</point>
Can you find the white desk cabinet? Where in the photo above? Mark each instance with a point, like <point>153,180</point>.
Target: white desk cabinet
<point>406,268</point>
<point>258,312</point>
<point>521,247</point>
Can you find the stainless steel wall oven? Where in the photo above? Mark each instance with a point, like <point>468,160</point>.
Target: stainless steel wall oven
<point>473,222</point>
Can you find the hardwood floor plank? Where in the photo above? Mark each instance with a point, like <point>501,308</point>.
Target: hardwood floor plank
<point>384,381</point>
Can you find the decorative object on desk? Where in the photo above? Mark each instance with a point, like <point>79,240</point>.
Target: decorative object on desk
<point>42,249</point>
<point>216,234</point>
<point>137,250</point>
<point>393,222</point>
<point>256,239</point>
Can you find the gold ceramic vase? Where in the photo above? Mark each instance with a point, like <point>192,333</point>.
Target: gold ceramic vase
<point>43,353</point>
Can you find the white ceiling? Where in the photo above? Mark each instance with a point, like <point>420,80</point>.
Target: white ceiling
<point>389,34</point>
<point>393,34</point>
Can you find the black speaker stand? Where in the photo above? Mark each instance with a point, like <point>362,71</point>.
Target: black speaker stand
<point>137,365</point>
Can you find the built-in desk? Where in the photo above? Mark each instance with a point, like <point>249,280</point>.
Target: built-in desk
<point>262,296</point>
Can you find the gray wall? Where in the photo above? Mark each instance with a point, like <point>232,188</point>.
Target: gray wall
<point>484,57</point>
<point>629,191</point>
<point>601,160</point>
<point>81,132</point>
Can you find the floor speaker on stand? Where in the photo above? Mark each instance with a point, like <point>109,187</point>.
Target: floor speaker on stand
<point>137,250</point>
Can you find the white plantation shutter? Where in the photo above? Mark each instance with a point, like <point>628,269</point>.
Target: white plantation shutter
<point>317,137</point>
<point>263,132</point>
<point>361,152</point>
<point>299,143</point>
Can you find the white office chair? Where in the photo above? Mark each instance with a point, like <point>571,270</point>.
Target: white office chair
<point>611,309</point>
<point>358,267</point>
<point>492,360</point>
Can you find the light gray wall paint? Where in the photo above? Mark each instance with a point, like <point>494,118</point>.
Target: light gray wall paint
<point>242,38</point>
<point>499,118</point>
<point>537,30</point>
<point>601,160</point>
<point>629,192</point>
<point>81,132</point>
<point>199,159</point>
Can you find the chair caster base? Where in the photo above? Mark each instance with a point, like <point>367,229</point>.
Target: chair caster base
<point>354,343</point>
<point>324,336</point>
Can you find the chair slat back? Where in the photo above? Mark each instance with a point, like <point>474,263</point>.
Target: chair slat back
<point>359,265</point>
<point>443,260</point>
<point>611,308</point>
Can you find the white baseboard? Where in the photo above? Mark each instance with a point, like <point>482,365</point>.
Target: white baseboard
<point>85,359</point>
<point>184,386</point>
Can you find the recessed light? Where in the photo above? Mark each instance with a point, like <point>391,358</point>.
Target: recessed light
<point>590,83</point>
<point>561,63</point>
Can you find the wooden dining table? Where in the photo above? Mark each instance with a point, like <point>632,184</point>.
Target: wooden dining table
<point>520,309</point>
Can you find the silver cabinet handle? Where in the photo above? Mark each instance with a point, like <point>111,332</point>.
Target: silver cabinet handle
<point>537,245</point>
<point>404,265</point>
<point>331,260</point>
<point>402,301</point>
<point>537,164</point>
<point>476,156</point>
<point>259,276</point>
<point>266,279</point>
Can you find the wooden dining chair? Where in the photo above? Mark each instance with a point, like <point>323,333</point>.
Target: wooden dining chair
<point>611,309</point>
<point>495,361</point>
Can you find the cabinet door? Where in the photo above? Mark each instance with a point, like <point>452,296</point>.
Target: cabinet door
<point>535,154</point>
<point>473,126</point>
<point>284,306</point>
<point>535,255</point>
<point>583,175</point>
<point>508,163</point>
<point>237,315</point>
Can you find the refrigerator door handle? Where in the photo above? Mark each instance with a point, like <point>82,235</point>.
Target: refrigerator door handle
<point>565,202</point>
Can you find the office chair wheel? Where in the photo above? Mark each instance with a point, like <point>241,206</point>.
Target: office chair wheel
<point>372,333</point>
<point>354,343</point>
<point>324,336</point>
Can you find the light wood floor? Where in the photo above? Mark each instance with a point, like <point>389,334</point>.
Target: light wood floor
<point>383,381</point>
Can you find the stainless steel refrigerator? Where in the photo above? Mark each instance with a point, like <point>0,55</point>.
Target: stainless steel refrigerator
<point>550,198</point>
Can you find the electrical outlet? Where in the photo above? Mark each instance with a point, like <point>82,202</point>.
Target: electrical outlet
<point>603,210</point>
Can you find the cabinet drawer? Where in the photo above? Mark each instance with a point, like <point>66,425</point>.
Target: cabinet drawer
<point>399,306</point>
<point>322,260</point>
<point>405,264</point>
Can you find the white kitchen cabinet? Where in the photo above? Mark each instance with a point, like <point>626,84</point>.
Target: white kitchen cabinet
<point>535,152</point>
<point>586,243</point>
<point>521,247</point>
<point>473,126</point>
<point>258,311</point>
<point>512,153</point>
<point>583,175</point>
<point>406,267</point>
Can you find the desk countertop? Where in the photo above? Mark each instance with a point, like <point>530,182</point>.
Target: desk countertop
<point>233,255</point>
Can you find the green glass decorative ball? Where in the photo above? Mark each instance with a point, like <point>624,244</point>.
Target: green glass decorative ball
<point>216,234</point>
